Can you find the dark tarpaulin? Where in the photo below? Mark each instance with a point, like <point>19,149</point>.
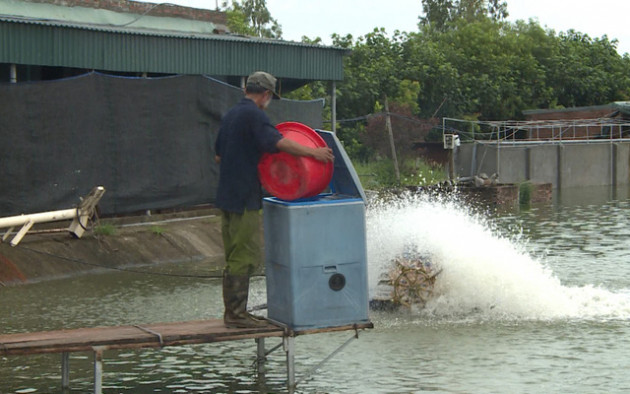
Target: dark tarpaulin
<point>149,142</point>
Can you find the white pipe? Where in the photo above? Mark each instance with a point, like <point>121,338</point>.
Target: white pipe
<point>79,216</point>
<point>98,370</point>
<point>41,217</point>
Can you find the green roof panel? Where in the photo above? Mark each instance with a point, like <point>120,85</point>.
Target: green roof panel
<point>91,39</point>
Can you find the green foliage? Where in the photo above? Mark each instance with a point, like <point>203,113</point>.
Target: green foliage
<point>105,229</point>
<point>525,193</point>
<point>351,137</point>
<point>440,14</point>
<point>465,61</point>
<point>252,18</point>
<point>158,230</point>
<point>479,66</point>
<point>590,72</point>
<point>311,91</point>
<point>379,174</point>
<point>374,69</point>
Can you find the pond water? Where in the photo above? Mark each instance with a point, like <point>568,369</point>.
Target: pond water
<point>531,301</point>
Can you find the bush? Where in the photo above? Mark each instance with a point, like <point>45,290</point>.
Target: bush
<point>380,174</point>
<point>525,193</point>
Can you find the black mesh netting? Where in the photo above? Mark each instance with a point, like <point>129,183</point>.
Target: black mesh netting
<point>149,142</point>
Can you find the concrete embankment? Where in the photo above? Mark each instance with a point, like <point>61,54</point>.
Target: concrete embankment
<point>128,242</point>
<point>564,164</point>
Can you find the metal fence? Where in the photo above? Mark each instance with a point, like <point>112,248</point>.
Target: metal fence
<point>542,130</point>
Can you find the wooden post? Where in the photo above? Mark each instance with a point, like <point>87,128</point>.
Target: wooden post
<point>388,125</point>
<point>451,165</point>
<point>473,159</point>
<point>559,166</point>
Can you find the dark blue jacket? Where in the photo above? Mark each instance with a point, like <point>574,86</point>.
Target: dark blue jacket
<point>245,134</point>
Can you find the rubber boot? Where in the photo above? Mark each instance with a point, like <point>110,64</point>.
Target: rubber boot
<point>235,294</point>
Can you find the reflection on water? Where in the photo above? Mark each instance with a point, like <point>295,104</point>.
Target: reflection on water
<point>109,299</point>
<point>535,301</point>
<point>585,243</point>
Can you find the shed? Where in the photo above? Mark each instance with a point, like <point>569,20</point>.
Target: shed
<point>129,96</point>
<point>123,36</point>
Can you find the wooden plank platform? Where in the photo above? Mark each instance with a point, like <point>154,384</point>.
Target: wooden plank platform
<point>138,336</point>
<point>147,335</point>
<point>100,339</point>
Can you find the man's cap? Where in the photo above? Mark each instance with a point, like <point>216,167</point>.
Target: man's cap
<point>264,80</point>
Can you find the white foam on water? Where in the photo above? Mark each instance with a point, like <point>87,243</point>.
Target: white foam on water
<point>483,272</point>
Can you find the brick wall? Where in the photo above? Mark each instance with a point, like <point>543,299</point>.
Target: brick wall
<point>577,113</point>
<point>599,111</point>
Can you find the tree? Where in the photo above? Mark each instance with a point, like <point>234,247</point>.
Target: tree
<point>252,18</point>
<point>379,67</point>
<point>439,14</point>
<point>467,62</point>
<point>586,71</point>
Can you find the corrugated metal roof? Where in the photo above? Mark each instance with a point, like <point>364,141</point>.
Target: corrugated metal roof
<point>50,35</point>
<point>623,106</point>
<point>100,19</point>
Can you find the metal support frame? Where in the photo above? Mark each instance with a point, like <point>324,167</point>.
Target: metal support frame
<point>261,357</point>
<point>65,371</point>
<point>330,356</point>
<point>289,348</point>
<point>287,343</point>
<point>98,370</point>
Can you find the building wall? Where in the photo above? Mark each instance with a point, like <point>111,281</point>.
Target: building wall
<point>566,132</point>
<point>592,112</point>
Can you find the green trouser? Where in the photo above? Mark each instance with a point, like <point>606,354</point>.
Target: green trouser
<point>242,241</point>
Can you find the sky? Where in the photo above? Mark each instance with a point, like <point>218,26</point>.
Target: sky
<point>322,18</point>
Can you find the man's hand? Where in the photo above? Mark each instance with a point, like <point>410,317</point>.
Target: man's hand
<point>323,154</point>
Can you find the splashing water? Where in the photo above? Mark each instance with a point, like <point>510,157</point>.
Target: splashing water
<point>483,273</point>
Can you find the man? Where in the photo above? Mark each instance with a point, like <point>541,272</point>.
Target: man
<point>245,134</point>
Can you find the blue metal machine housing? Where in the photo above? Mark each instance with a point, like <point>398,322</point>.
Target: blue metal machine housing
<point>315,252</point>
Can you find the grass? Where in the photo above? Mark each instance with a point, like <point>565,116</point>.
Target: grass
<point>381,174</point>
<point>105,229</point>
<point>525,193</point>
<point>158,230</point>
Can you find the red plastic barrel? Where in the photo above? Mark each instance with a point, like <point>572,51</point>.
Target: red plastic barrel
<point>291,177</point>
